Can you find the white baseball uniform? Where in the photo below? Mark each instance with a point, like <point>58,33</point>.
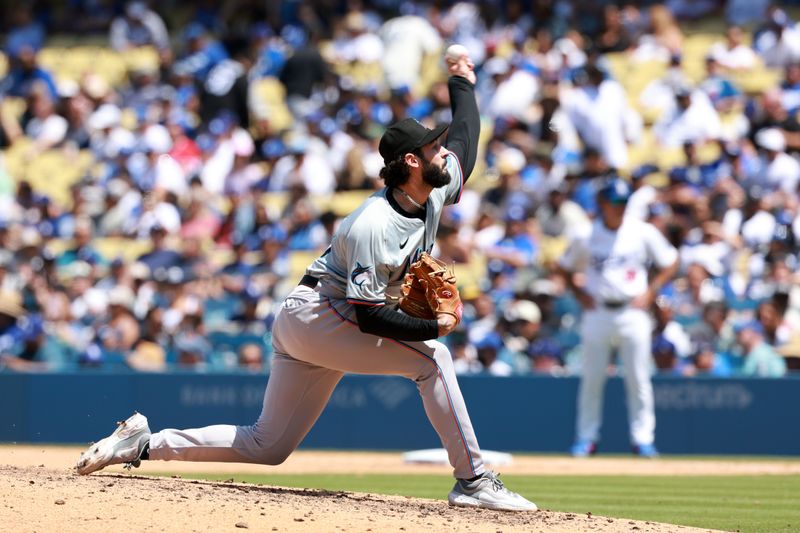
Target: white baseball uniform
<point>616,265</point>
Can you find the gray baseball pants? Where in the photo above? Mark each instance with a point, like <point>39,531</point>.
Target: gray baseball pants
<point>315,344</point>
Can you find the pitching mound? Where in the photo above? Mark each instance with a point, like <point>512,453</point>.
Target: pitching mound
<point>38,498</point>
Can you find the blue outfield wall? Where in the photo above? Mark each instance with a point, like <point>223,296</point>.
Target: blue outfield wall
<point>532,414</point>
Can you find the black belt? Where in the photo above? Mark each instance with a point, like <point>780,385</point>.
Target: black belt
<point>309,281</point>
<point>615,304</point>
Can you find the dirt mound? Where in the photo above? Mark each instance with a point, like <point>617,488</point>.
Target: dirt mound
<point>364,462</point>
<point>38,498</point>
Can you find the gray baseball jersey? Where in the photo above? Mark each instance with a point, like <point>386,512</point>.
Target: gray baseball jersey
<point>373,247</point>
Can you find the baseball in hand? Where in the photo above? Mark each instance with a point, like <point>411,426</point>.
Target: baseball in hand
<point>455,52</point>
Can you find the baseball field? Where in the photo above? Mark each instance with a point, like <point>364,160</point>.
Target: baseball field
<point>365,491</point>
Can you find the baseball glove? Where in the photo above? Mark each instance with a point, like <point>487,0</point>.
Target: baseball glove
<point>429,289</point>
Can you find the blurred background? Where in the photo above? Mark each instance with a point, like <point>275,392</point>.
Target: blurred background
<point>168,170</point>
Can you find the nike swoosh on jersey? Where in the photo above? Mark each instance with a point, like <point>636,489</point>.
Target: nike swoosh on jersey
<point>403,244</point>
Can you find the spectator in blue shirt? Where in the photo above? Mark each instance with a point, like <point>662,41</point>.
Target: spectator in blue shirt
<point>82,249</point>
<point>24,72</point>
<point>585,192</point>
<point>517,249</point>
<point>706,361</point>
<point>665,357</point>
<point>203,53</point>
<point>21,335</point>
<point>305,231</point>
<point>274,262</point>
<point>25,30</point>
<point>236,274</point>
<point>271,52</point>
<point>720,90</point>
<point>489,348</point>
<point>547,357</point>
<point>159,258</point>
<point>790,89</point>
<point>240,266</point>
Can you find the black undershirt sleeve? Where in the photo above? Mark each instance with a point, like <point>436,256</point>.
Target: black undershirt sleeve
<point>462,136</point>
<point>385,321</point>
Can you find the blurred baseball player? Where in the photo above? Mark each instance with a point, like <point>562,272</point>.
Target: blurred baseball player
<point>607,269</point>
<point>336,321</point>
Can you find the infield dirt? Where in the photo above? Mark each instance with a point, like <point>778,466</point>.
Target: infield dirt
<point>39,492</point>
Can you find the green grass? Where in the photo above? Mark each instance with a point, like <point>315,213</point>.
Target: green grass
<point>757,504</point>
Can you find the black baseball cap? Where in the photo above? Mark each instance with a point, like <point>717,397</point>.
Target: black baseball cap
<point>406,136</point>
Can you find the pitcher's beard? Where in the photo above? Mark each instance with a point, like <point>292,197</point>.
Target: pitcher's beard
<point>435,176</point>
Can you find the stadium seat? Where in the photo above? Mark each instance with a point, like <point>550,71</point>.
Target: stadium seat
<point>74,62</point>
<point>757,81</point>
<point>342,203</point>
<point>108,247</point>
<point>269,103</point>
<point>275,202</point>
<point>51,172</point>
<point>470,274</point>
<point>127,249</point>
<point>551,248</point>
<point>299,261</point>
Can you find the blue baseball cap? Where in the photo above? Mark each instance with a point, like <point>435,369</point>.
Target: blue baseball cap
<point>273,148</point>
<point>272,233</point>
<point>545,348</point>
<point>658,209</point>
<point>661,345</point>
<point>515,213</point>
<point>643,171</point>
<point>615,191</point>
<point>259,30</point>
<point>328,126</point>
<point>193,344</point>
<point>220,124</point>
<point>753,325</point>
<point>732,149</point>
<point>193,31</point>
<point>250,294</point>
<point>295,36</point>
<point>492,340</point>
<point>678,175</point>
<point>206,142</point>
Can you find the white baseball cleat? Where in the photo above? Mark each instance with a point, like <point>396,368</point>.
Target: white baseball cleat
<point>125,445</point>
<point>487,492</point>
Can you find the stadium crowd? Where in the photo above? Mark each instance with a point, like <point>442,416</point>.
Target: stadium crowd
<point>209,166</point>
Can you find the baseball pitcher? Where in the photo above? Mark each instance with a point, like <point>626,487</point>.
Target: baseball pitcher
<point>342,318</point>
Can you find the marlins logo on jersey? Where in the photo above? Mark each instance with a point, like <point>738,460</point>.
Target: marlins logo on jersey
<point>360,274</point>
